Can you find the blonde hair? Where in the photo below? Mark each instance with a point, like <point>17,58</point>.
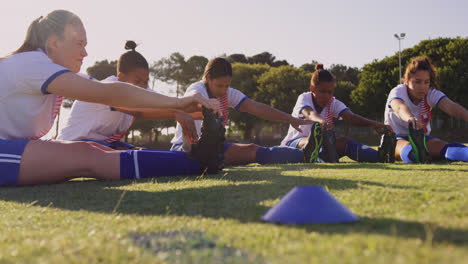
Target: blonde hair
<point>53,24</point>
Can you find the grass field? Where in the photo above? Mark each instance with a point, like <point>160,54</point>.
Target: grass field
<point>409,214</point>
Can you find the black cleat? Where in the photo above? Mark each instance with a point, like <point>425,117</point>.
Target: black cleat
<point>314,142</point>
<point>386,151</point>
<point>209,149</point>
<point>417,139</point>
<point>329,147</point>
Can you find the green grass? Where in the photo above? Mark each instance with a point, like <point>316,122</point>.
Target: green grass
<point>408,214</point>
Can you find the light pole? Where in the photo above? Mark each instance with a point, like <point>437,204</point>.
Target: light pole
<point>399,37</point>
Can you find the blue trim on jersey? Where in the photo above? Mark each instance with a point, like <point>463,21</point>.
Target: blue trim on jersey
<point>339,114</point>
<point>51,78</point>
<point>112,108</point>
<point>437,104</point>
<point>239,104</point>
<point>11,151</point>
<point>300,110</point>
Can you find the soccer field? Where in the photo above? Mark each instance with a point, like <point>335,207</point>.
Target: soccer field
<point>408,214</point>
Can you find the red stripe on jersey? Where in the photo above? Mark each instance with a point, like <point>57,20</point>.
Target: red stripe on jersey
<point>223,101</point>
<point>426,115</point>
<point>57,103</point>
<point>329,116</point>
<point>117,137</point>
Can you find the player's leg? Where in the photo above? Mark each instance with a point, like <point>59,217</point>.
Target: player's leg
<point>454,152</point>
<point>45,162</point>
<point>355,150</point>
<point>237,154</point>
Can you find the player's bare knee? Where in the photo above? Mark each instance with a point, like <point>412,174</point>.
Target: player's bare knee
<point>87,155</point>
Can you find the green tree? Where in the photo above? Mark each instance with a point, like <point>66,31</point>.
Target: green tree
<point>343,92</point>
<point>175,70</point>
<point>194,68</point>
<point>280,87</point>
<point>266,58</point>
<point>241,58</point>
<point>102,69</point>
<point>309,67</point>
<point>449,55</point>
<point>345,73</point>
<point>244,79</point>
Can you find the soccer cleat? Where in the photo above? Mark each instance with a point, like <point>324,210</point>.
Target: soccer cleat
<point>417,139</point>
<point>329,147</point>
<point>386,151</point>
<point>314,142</point>
<point>209,149</point>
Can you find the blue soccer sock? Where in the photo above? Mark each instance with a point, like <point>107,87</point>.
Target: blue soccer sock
<point>136,164</point>
<point>274,155</point>
<point>455,152</point>
<point>406,154</point>
<point>360,152</point>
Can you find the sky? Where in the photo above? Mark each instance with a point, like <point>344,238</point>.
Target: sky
<point>352,33</point>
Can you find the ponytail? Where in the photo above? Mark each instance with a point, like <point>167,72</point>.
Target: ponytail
<point>132,59</point>
<point>39,31</point>
<point>321,75</point>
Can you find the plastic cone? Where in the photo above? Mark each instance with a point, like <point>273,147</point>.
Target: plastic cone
<point>309,205</point>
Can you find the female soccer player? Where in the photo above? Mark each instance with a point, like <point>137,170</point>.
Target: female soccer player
<point>107,125</point>
<point>321,106</point>
<point>215,84</point>
<point>36,76</point>
<point>408,111</point>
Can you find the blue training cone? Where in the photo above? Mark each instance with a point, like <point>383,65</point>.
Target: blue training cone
<point>309,205</point>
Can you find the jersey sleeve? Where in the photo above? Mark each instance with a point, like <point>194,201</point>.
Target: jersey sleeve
<point>40,73</point>
<point>395,93</point>
<point>302,102</point>
<point>338,108</point>
<point>434,97</point>
<point>235,98</point>
<point>197,87</point>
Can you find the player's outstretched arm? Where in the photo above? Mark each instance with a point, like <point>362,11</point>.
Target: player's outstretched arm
<point>359,121</point>
<point>269,113</point>
<point>121,94</point>
<point>404,113</point>
<point>453,109</point>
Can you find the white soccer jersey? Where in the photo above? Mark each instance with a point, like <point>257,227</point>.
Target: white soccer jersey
<point>27,110</point>
<point>233,98</point>
<point>422,111</point>
<point>95,122</point>
<point>333,109</point>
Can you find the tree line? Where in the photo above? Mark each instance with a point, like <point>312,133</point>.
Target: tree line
<point>278,83</point>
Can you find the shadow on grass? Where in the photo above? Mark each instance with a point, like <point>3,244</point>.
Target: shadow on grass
<point>385,166</point>
<point>427,232</point>
<point>241,201</point>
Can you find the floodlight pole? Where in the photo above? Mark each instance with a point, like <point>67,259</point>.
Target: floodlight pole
<point>399,37</point>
